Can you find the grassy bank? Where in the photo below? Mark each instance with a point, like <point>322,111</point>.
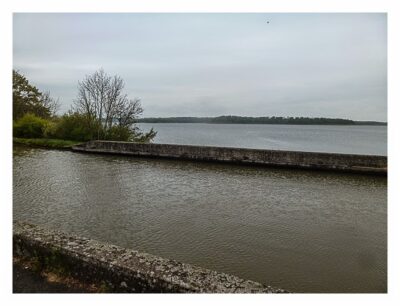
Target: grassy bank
<point>46,143</point>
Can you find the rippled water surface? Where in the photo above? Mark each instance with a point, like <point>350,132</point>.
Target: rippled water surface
<point>299,230</point>
<point>314,138</point>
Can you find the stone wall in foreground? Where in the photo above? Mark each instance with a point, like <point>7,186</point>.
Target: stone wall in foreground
<point>120,269</point>
<point>309,160</point>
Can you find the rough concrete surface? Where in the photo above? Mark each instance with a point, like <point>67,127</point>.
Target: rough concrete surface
<point>117,269</point>
<point>308,160</point>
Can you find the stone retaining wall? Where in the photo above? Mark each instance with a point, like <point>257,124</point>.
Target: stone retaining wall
<point>309,160</point>
<point>120,269</point>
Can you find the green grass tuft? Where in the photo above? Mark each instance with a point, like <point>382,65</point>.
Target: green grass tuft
<point>46,143</point>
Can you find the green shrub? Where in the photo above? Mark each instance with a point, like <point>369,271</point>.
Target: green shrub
<point>119,133</point>
<point>74,126</point>
<point>30,126</point>
<point>50,129</point>
<point>139,136</point>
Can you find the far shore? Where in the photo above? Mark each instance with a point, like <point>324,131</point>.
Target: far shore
<point>260,120</point>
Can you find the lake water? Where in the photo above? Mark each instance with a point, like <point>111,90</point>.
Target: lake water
<point>311,138</point>
<point>303,231</point>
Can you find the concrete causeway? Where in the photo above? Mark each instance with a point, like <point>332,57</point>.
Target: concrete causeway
<point>371,164</point>
<point>119,269</point>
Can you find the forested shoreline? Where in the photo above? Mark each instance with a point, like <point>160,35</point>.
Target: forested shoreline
<point>260,120</point>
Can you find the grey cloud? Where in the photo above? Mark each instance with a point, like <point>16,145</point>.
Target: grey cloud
<point>331,65</point>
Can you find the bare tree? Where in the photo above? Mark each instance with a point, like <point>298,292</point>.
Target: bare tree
<point>53,105</point>
<point>101,99</point>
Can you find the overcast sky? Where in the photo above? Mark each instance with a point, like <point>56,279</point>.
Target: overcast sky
<point>314,65</point>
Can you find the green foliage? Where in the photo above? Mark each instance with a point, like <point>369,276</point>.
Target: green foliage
<point>81,127</point>
<point>74,126</point>
<point>118,133</point>
<point>143,137</point>
<point>34,112</point>
<point>30,126</point>
<point>27,98</point>
<point>123,133</point>
<point>101,98</point>
<point>50,129</point>
<point>70,129</point>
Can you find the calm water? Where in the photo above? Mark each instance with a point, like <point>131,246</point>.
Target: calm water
<point>321,138</point>
<point>299,230</point>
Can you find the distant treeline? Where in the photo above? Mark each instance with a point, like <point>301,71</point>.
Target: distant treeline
<point>260,120</point>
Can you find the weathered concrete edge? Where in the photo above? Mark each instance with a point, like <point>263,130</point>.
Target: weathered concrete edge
<point>352,163</point>
<point>120,269</point>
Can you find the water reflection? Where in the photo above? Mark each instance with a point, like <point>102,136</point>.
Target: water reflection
<point>300,230</point>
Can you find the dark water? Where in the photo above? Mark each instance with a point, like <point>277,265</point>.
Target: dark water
<point>300,230</point>
<point>314,138</point>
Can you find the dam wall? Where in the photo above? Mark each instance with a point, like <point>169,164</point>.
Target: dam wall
<point>372,164</point>
<point>119,269</point>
